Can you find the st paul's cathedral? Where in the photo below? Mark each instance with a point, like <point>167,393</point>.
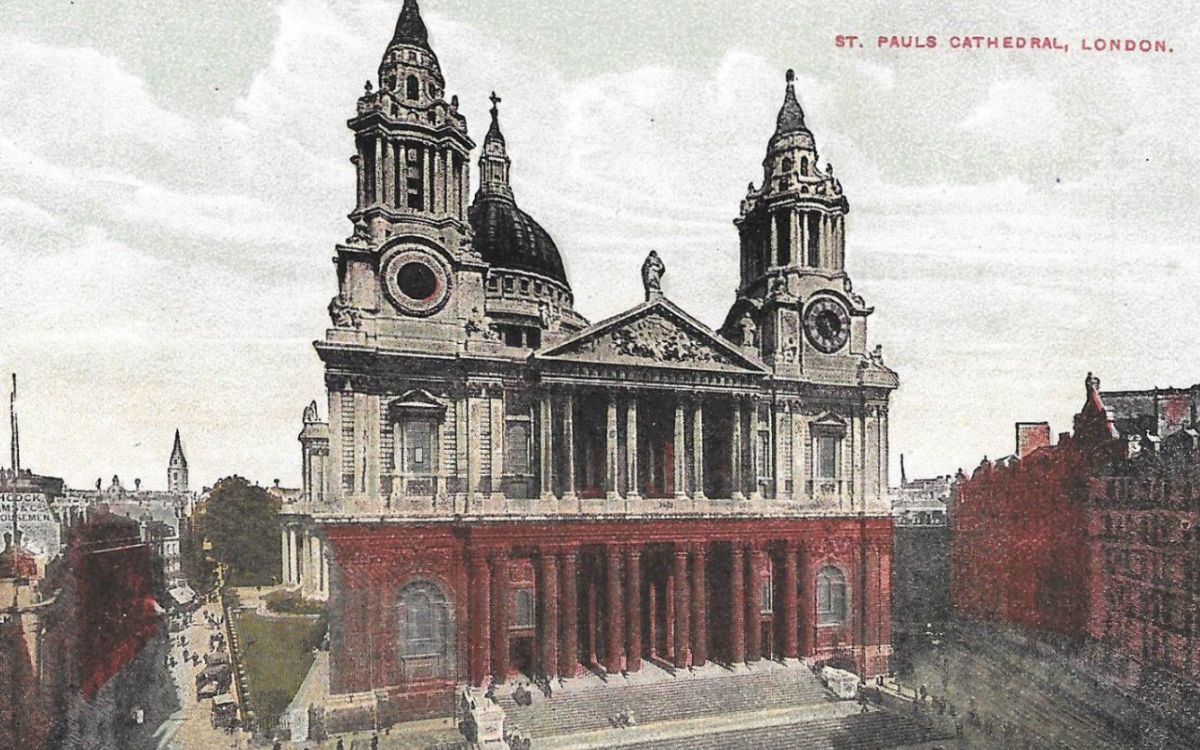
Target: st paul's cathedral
<point>503,487</point>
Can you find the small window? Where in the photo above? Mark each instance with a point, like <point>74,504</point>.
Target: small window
<point>827,456</point>
<point>831,596</point>
<point>412,88</point>
<point>418,447</point>
<point>523,617</point>
<point>516,440</point>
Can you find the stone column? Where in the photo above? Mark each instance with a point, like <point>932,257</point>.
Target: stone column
<point>286,562</point>
<point>480,618</point>
<point>631,450</point>
<point>680,577</point>
<point>389,178</point>
<point>610,453</point>
<point>755,493</point>
<point>614,656</point>
<point>427,179</point>
<point>699,607</point>
<point>500,616</point>
<point>569,446</point>
<point>568,665</point>
<point>791,624</point>
<point>753,605</point>
<point>735,458</point>
<point>325,570</point>
<point>549,597</point>
<point>737,605</point>
<point>546,447</point>
<point>698,450</point>
<point>805,603</point>
<point>377,177</point>
<point>633,608</point>
<point>679,452</point>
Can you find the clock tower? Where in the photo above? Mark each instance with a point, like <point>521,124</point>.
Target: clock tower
<point>795,305</point>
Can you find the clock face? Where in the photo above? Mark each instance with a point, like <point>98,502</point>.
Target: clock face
<point>827,325</point>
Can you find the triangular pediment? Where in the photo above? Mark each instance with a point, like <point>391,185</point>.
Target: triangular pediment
<point>657,333</point>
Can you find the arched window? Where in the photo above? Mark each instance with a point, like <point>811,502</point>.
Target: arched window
<point>423,619</point>
<point>831,596</point>
<point>412,88</point>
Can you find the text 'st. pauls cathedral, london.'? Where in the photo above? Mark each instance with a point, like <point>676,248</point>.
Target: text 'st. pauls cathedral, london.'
<point>502,486</point>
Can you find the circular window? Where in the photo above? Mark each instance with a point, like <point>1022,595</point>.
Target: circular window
<point>417,281</point>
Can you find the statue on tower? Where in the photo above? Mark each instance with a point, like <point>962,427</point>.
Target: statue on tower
<point>652,273</point>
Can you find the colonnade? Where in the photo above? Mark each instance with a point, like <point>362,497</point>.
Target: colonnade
<point>305,561</point>
<point>610,606</point>
<point>627,448</point>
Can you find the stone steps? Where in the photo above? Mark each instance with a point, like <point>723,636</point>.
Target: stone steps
<point>667,700</point>
<point>879,729</point>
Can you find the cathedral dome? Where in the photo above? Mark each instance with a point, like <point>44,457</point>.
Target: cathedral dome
<point>509,238</point>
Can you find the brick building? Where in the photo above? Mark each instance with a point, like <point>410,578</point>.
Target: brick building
<point>1018,527</point>
<point>502,487</point>
<point>1144,542</point>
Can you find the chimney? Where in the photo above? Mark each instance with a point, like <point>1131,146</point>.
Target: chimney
<point>1031,436</point>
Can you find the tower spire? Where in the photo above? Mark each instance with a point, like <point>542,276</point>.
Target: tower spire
<point>791,115</point>
<point>494,163</point>
<point>410,28</point>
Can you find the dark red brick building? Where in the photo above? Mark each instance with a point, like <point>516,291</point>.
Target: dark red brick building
<point>1019,528</point>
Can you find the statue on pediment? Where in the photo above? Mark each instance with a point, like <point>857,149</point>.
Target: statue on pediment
<point>652,273</point>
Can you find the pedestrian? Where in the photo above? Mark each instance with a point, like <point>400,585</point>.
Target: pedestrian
<point>375,742</point>
<point>340,744</point>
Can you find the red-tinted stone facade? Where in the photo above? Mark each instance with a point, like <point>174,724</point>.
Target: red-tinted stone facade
<point>605,594</point>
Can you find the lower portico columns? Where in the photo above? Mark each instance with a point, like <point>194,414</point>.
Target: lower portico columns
<point>737,605</point>
<point>790,603</point>
<point>698,450</point>
<point>481,618</point>
<point>568,655</point>
<point>680,578</point>
<point>679,453</point>
<point>753,604</point>
<point>805,602</point>
<point>633,595</point>
<point>615,634</point>
<point>500,616</point>
<point>549,606</point>
<point>699,607</point>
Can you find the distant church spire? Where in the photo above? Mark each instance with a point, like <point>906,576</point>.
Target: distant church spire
<point>177,468</point>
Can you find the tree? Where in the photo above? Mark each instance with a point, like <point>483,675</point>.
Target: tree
<point>240,523</point>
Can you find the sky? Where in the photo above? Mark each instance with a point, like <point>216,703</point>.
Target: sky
<point>174,176</point>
